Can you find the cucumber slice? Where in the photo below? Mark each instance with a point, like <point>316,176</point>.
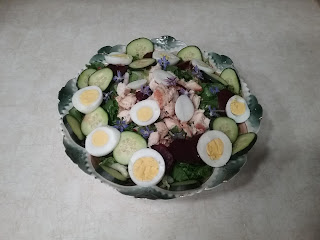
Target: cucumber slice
<point>243,143</point>
<point>231,77</point>
<point>114,173</point>
<point>76,114</point>
<point>214,78</point>
<point>139,47</point>
<point>184,185</point>
<point>190,52</point>
<point>95,119</point>
<point>129,143</point>
<point>142,63</point>
<point>83,78</point>
<point>73,124</point>
<point>227,126</point>
<point>101,78</point>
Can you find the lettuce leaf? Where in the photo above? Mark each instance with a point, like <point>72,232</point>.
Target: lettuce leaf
<point>184,171</point>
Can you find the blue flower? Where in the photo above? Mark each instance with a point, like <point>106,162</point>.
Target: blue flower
<point>172,81</point>
<point>214,90</point>
<point>163,62</point>
<point>183,91</point>
<point>145,132</point>
<point>121,125</point>
<point>107,96</point>
<point>196,72</point>
<point>119,78</point>
<point>213,112</point>
<point>146,90</point>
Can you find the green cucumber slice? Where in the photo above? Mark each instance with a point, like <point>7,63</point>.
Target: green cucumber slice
<point>129,143</point>
<point>139,47</point>
<point>101,78</point>
<point>231,77</point>
<point>73,124</point>
<point>184,185</point>
<point>142,63</point>
<point>214,78</point>
<point>95,119</point>
<point>76,114</point>
<point>227,126</point>
<point>114,173</point>
<point>83,78</point>
<point>243,144</point>
<point>190,52</point>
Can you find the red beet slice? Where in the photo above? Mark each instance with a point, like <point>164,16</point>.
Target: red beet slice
<point>223,97</point>
<point>115,68</point>
<point>140,96</point>
<point>184,65</point>
<point>167,156</point>
<point>185,150</point>
<point>148,55</point>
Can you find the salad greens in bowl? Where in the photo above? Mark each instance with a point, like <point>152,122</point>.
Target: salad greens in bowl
<point>158,118</point>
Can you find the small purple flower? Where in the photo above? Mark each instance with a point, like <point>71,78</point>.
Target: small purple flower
<point>214,90</point>
<point>213,112</point>
<point>183,91</point>
<point>196,72</point>
<point>172,81</point>
<point>145,132</point>
<point>119,78</point>
<point>107,96</point>
<point>121,125</point>
<point>163,62</point>
<point>146,90</point>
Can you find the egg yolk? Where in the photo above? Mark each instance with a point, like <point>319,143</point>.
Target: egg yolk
<point>100,138</point>
<point>215,149</point>
<point>144,114</point>
<point>145,168</point>
<point>89,96</point>
<point>237,108</point>
<point>120,55</point>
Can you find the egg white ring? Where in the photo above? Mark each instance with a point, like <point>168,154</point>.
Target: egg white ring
<point>173,59</point>
<point>137,84</point>
<point>237,118</point>
<point>184,108</point>
<point>113,140</point>
<point>145,103</point>
<point>147,152</point>
<point>202,66</point>
<point>161,76</point>
<point>90,108</point>
<point>202,148</point>
<point>111,59</point>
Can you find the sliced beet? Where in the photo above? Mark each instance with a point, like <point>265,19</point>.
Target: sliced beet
<point>167,156</point>
<point>140,96</point>
<point>185,150</point>
<point>115,68</point>
<point>148,55</point>
<point>184,65</point>
<point>223,96</point>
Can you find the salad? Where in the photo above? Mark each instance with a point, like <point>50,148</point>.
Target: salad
<point>162,118</point>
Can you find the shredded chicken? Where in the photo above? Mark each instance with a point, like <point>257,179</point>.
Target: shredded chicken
<point>127,102</point>
<point>188,130</point>
<point>195,99</point>
<point>200,121</point>
<point>172,122</point>
<point>190,85</point>
<point>153,139</point>
<point>122,90</point>
<point>125,115</point>
<point>162,129</point>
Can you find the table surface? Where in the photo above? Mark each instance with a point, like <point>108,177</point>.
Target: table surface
<point>276,46</point>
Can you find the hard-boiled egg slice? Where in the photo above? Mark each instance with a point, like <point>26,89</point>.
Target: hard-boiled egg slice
<point>137,84</point>
<point>214,148</point>
<point>161,76</point>
<point>146,167</point>
<point>237,109</point>
<point>118,58</point>
<point>184,108</point>
<point>87,99</point>
<point>145,112</point>
<point>102,141</point>
<point>173,59</point>
<point>202,66</point>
